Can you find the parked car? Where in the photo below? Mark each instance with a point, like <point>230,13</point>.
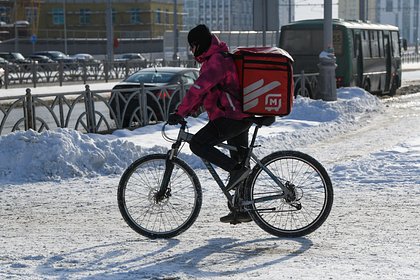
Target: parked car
<point>121,60</point>
<point>17,58</point>
<point>130,57</point>
<point>44,62</point>
<point>11,66</point>
<point>85,57</point>
<point>151,77</point>
<point>69,62</point>
<point>40,58</point>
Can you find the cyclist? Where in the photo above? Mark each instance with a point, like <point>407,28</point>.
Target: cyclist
<point>227,122</point>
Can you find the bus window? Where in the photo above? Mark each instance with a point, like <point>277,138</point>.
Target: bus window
<point>302,42</point>
<point>308,42</point>
<point>395,45</point>
<point>354,43</point>
<point>373,35</point>
<point>338,42</point>
<point>365,44</point>
<point>381,44</point>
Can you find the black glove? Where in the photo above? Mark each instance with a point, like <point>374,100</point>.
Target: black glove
<point>174,118</point>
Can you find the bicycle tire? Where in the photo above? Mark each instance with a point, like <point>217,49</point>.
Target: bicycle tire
<point>169,217</point>
<point>311,184</point>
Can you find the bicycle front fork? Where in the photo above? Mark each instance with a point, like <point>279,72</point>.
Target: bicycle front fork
<point>165,189</point>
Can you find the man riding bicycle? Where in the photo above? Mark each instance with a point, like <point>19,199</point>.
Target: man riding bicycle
<point>227,122</point>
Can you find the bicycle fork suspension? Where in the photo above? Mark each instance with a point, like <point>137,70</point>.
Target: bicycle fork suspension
<point>165,190</point>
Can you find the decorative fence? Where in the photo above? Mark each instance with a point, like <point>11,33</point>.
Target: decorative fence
<point>60,73</point>
<point>411,58</point>
<point>88,111</point>
<point>100,111</point>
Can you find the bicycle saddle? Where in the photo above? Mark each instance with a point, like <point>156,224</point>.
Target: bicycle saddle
<point>265,120</point>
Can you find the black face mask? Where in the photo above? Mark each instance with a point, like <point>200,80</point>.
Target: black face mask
<point>197,51</point>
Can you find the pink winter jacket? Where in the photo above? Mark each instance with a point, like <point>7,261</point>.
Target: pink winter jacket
<point>217,72</point>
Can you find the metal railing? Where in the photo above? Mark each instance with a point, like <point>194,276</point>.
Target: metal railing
<point>35,74</point>
<point>101,111</point>
<point>88,111</point>
<point>69,72</point>
<point>411,58</point>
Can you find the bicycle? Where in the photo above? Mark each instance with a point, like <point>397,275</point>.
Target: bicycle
<point>287,193</point>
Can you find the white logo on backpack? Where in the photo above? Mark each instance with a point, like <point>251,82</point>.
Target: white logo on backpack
<point>253,91</point>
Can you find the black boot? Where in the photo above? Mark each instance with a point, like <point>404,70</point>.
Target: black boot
<point>236,218</point>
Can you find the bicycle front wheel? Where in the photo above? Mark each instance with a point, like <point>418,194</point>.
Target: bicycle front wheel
<point>307,204</point>
<point>169,216</point>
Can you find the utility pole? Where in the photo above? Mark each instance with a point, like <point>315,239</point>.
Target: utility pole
<point>16,28</point>
<point>416,25</point>
<point>109,32</point>
<point>326,65</point>
<point>176,34</point>
<point>264,22</point>
<point>65,27</point>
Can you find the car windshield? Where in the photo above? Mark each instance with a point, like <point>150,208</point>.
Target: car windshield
<point>19,56</point>
<point>58,55</point>
<point>151,77</point>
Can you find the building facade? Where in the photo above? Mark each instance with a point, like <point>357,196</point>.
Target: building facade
<point>286,11</point>
<point>131,18</point>
<point>401,13</point>
<point>221,15</point>
<point>230,15</point>
<point>358,10</point>
<point>404,14</point>
<point>87,19</point>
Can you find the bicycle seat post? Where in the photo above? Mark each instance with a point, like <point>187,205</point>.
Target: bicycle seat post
<point>254,136</point>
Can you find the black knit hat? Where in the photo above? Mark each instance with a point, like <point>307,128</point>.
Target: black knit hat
<point>200,37</point>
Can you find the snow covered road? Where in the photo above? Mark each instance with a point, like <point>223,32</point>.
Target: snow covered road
<point>69,226</point>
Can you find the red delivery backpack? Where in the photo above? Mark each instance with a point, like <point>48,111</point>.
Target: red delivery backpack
<point>266,80</point>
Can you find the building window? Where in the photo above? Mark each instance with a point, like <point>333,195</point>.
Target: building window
<point>58,16</point>
<point>158,19</point>
<point>4,14</point>
<point>134,16</point>
<point>389,7</point>
<point>84,18</point>
<point>31,14</point>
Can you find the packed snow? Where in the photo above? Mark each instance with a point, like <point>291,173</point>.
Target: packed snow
<point>60,220</point>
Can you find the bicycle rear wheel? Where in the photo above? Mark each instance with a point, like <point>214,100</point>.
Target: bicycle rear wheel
<point>305,209</point>
<point>166,218</point>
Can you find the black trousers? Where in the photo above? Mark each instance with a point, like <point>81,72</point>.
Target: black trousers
<point>235,132</point>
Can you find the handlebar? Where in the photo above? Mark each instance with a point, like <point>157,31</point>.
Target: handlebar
<point>182,135</point>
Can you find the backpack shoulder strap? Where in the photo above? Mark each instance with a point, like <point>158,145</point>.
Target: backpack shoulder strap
<point>225,89</point>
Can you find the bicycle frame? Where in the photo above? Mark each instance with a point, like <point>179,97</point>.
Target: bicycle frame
<point>184,136</point>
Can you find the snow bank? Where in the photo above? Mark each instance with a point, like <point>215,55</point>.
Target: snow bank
<point>54,155</point>
<point>62,153</point>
